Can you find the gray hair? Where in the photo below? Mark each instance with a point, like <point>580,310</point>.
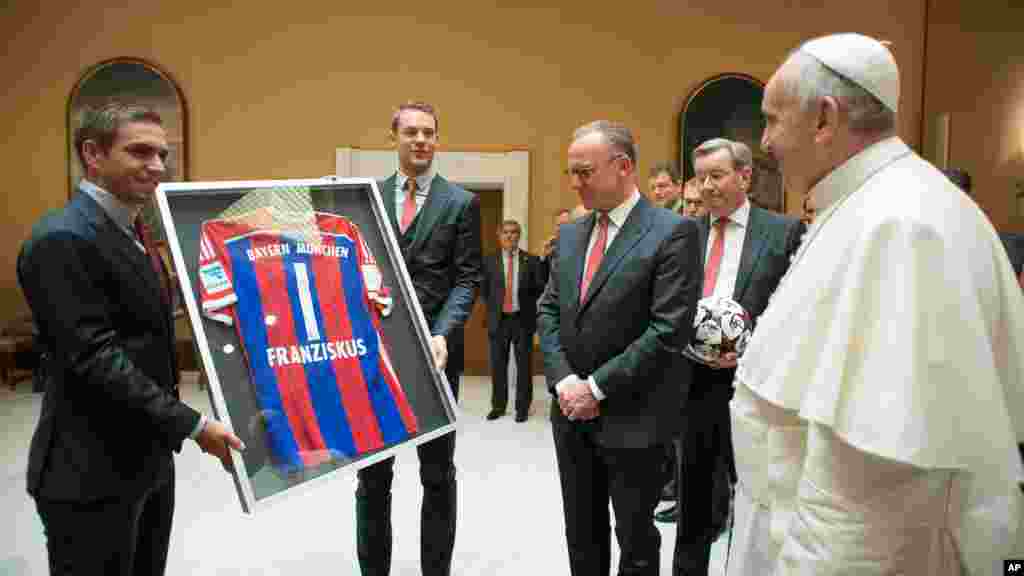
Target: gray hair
<point>615,134</point>
<point>741,155</point>
<point>809,81</point>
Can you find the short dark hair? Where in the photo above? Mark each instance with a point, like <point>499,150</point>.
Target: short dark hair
<point>959,177</point>
<point>100,124</point>
<point>666,168</point>
<point>415,105</point>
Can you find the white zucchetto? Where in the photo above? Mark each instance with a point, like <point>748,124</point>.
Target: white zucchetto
<point>861,59</point>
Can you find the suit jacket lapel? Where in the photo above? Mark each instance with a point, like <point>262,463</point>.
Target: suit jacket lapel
<point>704,230</point>
<point>633,229</point>
<point>524,272</point>
<point>109,234</point>
<point>753,243</point>
<point>499,269</point>
<point>387,196</point>
<point>433,208</point>
<point>578,262</point>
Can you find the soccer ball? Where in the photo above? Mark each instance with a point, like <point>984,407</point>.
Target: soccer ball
<point>722,325</point>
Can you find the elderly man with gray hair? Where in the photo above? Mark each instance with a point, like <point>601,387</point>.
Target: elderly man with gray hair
<point>871,419</point>
<point>745,251</point>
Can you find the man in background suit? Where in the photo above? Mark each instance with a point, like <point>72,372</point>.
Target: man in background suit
<point>693,200</point>
<point>744,251</point>
<point>100,467</point>
<point>511,317</point>
<point>563,216</point>
<point>665,187</point>
<point>613,321</point>
<point>438,228</point>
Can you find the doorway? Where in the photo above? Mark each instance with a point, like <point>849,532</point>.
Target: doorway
<point>477,347</point>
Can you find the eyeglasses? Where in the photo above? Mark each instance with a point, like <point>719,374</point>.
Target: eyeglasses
<point>715,176</point>
<point>586,172</point>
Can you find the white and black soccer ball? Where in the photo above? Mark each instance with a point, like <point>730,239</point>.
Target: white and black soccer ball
<point>722,326</point>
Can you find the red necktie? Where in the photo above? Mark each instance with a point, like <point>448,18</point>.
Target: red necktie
<point>409,206</point>
<point>142,232</point>
<point>507,306</point>
<point>1021,279</point>
<point>715,259</point>
<point>596,254</point>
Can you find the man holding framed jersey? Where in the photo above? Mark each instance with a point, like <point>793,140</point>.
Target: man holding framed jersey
<point>438,228</point>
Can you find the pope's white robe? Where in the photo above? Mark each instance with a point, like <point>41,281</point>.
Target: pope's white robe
<point>871,419</point>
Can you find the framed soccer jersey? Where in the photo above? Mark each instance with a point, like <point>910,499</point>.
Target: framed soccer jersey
<point>306,325</point>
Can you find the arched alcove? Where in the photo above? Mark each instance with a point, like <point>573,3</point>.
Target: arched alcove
<point>131,80</point>
<point>729,106</point>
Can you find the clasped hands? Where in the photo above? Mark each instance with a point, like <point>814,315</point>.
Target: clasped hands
<point>576,399</point>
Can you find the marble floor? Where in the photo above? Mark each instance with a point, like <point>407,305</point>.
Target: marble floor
<point>510,511</point>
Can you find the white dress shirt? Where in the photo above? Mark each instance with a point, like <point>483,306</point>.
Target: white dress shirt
<point>735,234</point>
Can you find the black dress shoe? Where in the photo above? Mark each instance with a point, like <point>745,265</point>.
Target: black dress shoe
<point>520,417</point>
<point>668,515</point>
<point>494,415</point>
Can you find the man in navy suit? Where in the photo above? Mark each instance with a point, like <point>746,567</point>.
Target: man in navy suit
<point>100,464</point>
<point>744,251</point>
<point>613,321</point>
<point>438,228</point>
<point>511,317</point>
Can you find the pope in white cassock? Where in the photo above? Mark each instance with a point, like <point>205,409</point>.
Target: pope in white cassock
<point>871,418</point>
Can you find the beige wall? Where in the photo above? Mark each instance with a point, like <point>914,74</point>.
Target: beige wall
<point>975,73</point>
<point>273,89</point>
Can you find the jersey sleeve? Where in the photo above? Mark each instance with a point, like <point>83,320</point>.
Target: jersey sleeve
<point>216,291</point>
<point>376,292</point>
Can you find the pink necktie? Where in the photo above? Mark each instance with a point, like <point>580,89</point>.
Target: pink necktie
<point>142,232</point>
<point>715,259</point>
<point>409,206</point>
<point>596,254</point>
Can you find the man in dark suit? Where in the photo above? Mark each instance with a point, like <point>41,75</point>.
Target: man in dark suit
<point>438,228</point>
<point>511,317</point>
<point>745,250</point>
<point>100,465</point>
<point>614,318</point>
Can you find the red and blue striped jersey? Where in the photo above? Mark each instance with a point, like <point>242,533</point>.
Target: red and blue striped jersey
<point>305,312</point>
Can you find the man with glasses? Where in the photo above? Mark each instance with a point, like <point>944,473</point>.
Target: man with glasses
<point>664,187</point>
<point>693,200</point>
<point>744,250</point>
<point>616,314</point>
